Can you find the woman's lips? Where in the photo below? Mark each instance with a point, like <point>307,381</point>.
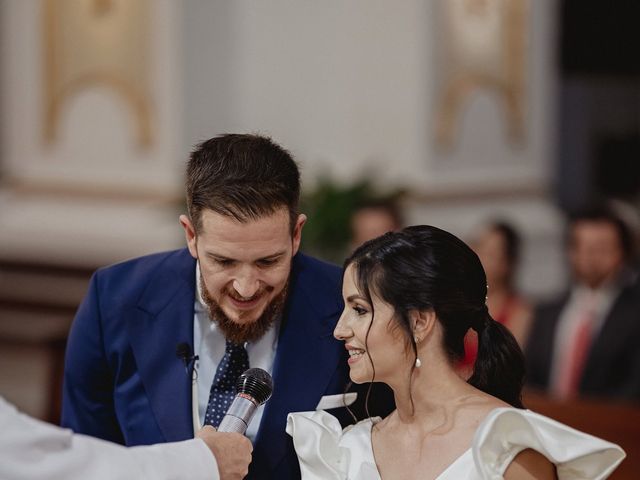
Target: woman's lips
<point>353,360</point>
<point>355,354</point>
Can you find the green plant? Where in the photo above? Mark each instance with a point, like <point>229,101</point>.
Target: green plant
<point>329,207</point>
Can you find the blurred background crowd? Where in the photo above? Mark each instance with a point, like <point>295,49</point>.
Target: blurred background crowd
<point>514,124</point>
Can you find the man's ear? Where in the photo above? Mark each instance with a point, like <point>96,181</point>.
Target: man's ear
<point>297,232</point>
<point>423,322</point>
<point>190,235</point>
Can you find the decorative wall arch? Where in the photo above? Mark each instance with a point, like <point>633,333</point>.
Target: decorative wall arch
<point>97,43</point>
<point>483,48</point>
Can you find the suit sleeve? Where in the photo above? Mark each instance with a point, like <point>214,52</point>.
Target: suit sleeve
<point>34,450</point>
<point>87,403</point>
<point>631,388</point>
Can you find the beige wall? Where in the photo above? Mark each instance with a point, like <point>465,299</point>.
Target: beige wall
<point>351,85</point>
<point>347,86</point>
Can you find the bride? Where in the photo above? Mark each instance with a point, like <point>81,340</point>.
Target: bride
<point>410,297</point>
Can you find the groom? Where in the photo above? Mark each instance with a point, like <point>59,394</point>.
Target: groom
<point>239,295</point>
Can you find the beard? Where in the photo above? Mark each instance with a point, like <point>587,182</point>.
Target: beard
<point>240,333</point>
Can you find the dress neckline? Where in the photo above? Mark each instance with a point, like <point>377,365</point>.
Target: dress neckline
<point>373,421</point>
<point>326,450</point>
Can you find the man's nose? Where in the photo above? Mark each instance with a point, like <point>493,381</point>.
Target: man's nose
<point>246,284</point>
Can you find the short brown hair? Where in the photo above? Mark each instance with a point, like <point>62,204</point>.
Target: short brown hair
<point>604,214</point>
<point>243,176</point>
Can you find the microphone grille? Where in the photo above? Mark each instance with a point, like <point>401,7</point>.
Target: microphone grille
<point>257,383</point>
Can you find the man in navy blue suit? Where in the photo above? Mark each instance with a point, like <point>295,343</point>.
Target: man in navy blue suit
<point>241,282</point>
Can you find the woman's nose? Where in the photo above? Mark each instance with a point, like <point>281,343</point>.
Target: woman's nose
<point>342,331</point>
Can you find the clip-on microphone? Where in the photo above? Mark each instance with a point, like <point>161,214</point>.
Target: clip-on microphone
<point>183,352</point>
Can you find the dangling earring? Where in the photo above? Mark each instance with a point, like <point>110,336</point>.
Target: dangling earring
<point>418,362</point>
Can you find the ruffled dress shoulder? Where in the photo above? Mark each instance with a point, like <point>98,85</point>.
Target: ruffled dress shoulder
<point>327,452</point>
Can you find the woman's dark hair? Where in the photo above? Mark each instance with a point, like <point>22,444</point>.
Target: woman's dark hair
<point>423,268</point>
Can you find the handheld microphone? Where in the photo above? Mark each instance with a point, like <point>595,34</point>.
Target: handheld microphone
<point>183,352</point>
<point>254,387</point>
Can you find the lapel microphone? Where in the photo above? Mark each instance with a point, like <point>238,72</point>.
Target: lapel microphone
<point>183,352</point>
<point>253,388</point>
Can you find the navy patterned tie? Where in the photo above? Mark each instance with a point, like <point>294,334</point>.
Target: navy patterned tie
<point>223,389</point>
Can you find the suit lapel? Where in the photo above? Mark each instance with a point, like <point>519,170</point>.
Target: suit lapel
<point>306,359</point>
<point>162,319</point>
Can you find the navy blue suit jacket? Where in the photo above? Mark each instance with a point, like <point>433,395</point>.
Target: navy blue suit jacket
<point>123,381</point>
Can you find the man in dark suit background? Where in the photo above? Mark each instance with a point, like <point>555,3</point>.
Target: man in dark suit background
<point>587,343</point>
<point>240,295</point>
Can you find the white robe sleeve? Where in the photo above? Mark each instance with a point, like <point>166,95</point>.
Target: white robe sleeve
<point>31,449</point>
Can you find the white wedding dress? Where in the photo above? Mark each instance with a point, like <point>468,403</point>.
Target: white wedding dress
<point>326,452</point>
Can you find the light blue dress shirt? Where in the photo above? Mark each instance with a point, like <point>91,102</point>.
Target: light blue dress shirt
<point>209,345</point>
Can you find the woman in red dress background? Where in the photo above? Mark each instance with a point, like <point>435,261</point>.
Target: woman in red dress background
<point>498,246</point>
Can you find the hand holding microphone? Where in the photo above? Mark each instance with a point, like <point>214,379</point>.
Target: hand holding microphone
<point>232,452</point>
<point>230,447</point>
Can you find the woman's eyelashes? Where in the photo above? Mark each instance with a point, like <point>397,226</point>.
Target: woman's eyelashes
<point>360,310</point>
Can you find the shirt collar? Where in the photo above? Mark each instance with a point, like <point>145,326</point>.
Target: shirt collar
<point>199,300</point>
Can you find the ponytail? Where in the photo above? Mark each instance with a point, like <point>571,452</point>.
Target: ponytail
<point>499,368</point>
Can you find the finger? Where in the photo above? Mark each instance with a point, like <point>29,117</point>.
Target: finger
<point>247,442</point>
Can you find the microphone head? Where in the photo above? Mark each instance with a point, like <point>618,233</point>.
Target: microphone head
<point>256,383</point>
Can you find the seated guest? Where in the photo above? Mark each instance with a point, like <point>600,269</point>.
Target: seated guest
<point>498,246</point>
<point>410,297</point>
<point>373,218</point>
<point>586,342</point>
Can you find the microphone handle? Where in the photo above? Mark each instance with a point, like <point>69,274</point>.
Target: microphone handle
<point>239,414</point>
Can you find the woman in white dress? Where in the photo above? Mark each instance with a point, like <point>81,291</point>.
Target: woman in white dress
<point>410,297</point>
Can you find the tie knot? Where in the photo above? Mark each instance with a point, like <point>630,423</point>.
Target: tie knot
<point>234,348</point>
<point>237,357</point>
